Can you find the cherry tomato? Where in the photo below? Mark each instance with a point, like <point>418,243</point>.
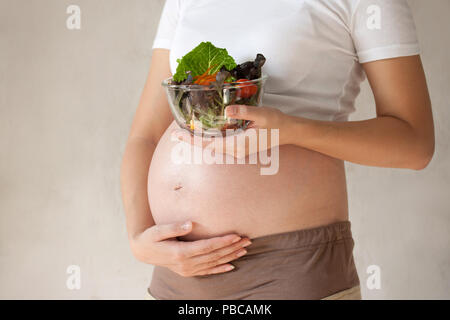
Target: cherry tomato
<point>247,90</point>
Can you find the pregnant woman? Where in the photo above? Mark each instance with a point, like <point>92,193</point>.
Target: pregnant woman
<point>224,231</point>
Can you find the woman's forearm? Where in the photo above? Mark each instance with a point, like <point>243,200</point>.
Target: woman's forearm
<point>402,135</point>
<point>383,142</point>
<point>133,177</point>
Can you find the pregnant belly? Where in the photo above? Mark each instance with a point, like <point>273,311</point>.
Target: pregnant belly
<point>308,190</point>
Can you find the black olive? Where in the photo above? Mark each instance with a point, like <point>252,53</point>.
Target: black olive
<point>249,70</point>
<point>259,61</point>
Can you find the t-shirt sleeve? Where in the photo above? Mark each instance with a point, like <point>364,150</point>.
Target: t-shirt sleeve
<point>383,29</point>
<point>167,25</point>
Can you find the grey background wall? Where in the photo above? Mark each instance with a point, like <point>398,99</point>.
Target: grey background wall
<point>66,102</point>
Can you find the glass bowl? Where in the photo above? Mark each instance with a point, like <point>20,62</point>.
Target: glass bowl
<point>200,109</point>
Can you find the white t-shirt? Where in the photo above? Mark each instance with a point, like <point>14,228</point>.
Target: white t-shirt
<point>314,48</point>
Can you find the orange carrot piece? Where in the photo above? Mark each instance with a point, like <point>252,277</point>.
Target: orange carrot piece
<point>205,76</point>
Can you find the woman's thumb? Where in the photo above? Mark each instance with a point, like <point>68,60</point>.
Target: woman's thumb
<point>172,230</point>
<point>242,112</point>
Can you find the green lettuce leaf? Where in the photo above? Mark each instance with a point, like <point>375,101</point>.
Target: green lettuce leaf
<point>202,57</point>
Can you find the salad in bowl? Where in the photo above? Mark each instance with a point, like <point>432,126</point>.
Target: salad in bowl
<point>206,81</point>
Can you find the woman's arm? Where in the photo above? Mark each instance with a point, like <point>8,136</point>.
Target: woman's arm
<point>401,136</point>
<point>151,120</point>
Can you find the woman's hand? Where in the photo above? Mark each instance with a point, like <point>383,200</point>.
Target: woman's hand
<point>158,246</point>
<point>260,117</point>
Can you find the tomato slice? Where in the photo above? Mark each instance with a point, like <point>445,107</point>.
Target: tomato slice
<point>247,90</point>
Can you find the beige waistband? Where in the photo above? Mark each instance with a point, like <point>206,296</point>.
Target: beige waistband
<point>348,294</point>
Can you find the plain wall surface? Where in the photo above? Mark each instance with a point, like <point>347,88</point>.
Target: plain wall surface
<point>67,98</point>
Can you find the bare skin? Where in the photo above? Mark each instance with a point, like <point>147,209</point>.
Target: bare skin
<point>308,191</point>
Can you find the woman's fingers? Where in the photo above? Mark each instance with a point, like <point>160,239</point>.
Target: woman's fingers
<point>190,257</point>
<point>223,260</point>
<point>199,247</point>
<point>245,112</point>
<point>208,256</point>
<point>218,269</point>
<point>221,265</point>
<point>222,255</point>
